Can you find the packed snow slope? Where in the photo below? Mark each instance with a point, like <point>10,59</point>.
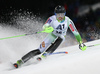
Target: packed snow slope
<point>75,62</point>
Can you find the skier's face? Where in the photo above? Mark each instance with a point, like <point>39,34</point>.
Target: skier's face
<point>60,16</point>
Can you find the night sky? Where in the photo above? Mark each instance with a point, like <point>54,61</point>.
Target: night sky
<point>31,5</point>
<point>40,7</point>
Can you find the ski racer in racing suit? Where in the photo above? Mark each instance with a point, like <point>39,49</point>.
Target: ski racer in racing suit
<point>59,23</point>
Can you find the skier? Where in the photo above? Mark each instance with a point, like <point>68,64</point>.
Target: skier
<point>57,26</point>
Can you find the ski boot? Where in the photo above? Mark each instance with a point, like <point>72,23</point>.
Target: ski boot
<point>44,55</point>
<point>19,63</point>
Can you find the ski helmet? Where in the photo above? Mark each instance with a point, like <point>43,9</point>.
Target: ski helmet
<point>60,13</point>
<point>59,9</point>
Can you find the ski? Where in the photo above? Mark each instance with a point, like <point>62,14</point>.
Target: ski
<point>14,66</point>
<point>64,52</point>
<point>47,54</point>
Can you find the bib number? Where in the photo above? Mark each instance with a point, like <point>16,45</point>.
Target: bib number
<point>60,28</point>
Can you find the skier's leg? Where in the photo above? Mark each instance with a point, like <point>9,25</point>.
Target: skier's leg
<point>54,45</point>
<point>48,40</point>
<point>30,55</point>
<point>26,57</point>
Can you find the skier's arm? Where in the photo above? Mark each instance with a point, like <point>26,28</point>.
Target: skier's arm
<point>77,35</point>
<point>47,27</point>
<point>74,31</point>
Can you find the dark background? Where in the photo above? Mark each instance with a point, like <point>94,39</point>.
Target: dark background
<point>38,6</point>
<point>88,24</point>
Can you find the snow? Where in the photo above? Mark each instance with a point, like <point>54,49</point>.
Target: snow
<point>75,62</point>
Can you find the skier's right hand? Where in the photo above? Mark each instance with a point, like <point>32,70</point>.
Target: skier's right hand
<point>47,28</point>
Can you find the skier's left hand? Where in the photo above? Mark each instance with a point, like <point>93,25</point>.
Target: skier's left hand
<point>82,46</point>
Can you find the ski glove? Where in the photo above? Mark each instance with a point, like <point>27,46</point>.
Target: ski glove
<point>47,28</point>
<point>82,46</point>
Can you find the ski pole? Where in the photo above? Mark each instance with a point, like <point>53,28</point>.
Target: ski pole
<point>93,45</point>
<point>20,35</point>
<point>47,30</point>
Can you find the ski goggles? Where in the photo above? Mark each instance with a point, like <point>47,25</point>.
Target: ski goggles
<point>60,15</point>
